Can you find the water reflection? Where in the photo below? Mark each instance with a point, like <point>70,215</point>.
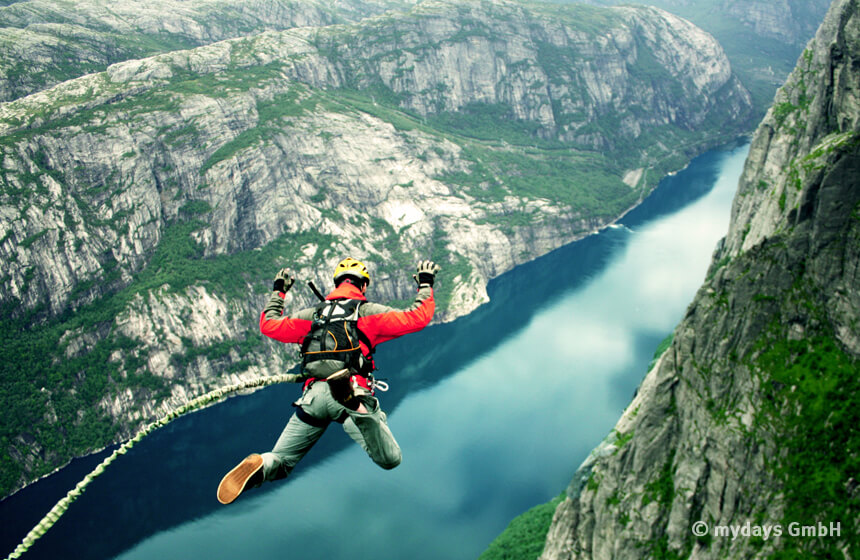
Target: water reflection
<point>493,413</point>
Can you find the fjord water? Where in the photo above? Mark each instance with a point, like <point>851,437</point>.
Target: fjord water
<point>494,412</point>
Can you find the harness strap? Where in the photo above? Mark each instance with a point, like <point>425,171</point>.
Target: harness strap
<point>311,420</point>
<point>316,292</point>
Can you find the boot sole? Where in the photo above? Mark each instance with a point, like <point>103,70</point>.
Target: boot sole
<point>234,482</point>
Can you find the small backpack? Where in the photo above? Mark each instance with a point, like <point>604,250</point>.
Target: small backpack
<point>333,341</point>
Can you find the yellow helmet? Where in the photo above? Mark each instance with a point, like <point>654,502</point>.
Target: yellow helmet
<point>351,267</point>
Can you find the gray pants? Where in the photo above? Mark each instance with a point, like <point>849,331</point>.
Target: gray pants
<point>369,430</point>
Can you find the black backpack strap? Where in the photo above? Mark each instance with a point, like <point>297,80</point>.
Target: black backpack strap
<point>363,338</point>
<point>368,364</point>
<point>331,306</point>
<point>309,338</point>
<point>316,292</point>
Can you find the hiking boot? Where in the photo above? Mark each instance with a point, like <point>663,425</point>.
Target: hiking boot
<point>247,474</point>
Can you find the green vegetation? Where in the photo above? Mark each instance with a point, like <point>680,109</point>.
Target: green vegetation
<point>593,482</point>
<point>294,102</point>
<point>809,401</point>
<point>781,112</point>
<point>662,490</point>
<point>73,54</point>
<point>812,408</point>
<point>194,207</point>
<point>593,20</point>
<point>622,439</point>
<point>223,84</point>
<point>508,158</point>
<point>455,267</point>
<point>651,71</point>
<point>490,122</point>
<point>26,242</point>
<point>525,535</point>
<point>662,347</point>
<point>583,181</point>
<point>166,97</point>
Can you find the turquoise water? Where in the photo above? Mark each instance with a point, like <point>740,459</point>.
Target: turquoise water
<point>494,412</point>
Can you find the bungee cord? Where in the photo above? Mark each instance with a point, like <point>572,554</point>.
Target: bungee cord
<point>61,506</point>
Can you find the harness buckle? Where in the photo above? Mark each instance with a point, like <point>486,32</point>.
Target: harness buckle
<point>378,385</point>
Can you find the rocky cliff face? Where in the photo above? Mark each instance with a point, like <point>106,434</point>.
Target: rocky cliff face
<point>788,21</point>
<point>749,419</point>
<point>762,38</point>
<point>46,42</point>
<point>145,208</point>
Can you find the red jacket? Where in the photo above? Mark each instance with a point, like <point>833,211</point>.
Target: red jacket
<point>379,323</point>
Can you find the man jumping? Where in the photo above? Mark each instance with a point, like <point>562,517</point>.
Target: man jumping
<point>337,341</point>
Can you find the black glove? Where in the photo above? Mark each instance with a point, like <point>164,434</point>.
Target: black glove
<point>426,273</point>
<point>283,281</point>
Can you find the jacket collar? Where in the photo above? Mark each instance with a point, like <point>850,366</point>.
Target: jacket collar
<point>346,291</point>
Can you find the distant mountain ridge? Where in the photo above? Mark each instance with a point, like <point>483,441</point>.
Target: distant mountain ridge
<point>46,42</point>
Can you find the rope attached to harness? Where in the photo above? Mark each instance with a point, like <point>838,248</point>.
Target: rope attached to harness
<point>60,508</point>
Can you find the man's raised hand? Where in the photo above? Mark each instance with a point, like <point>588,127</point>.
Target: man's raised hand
<point>283,281</point>
<point>426,273</point>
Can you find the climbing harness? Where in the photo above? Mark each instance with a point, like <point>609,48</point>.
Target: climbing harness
<point>61,506</point>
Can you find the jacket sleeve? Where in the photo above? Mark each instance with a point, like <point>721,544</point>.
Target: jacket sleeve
<point>381,323</point>
<point>283,328</point>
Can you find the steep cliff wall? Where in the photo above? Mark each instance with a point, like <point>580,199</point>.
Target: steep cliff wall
<point>145,208</point>
<point>762,38</point>
<point>749,418</point>
<point>788,21</point>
